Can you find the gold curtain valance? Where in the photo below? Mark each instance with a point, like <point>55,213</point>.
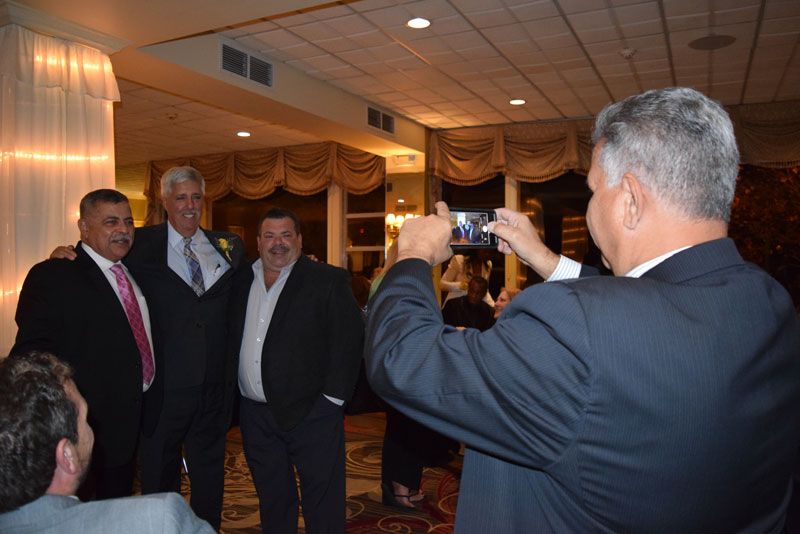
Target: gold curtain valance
<point>526,152</point>
<point>768,136</point>
<point>301,170</point>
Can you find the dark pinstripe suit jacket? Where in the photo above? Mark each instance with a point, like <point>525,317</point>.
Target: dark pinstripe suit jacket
<point>669,403</point>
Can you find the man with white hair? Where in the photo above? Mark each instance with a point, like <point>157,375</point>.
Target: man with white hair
<point>663,399</point>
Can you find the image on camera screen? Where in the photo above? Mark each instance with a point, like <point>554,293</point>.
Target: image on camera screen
<point>469,228</point>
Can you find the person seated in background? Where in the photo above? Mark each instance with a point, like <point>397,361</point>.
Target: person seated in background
<point>503,298</point>
<point>460,269</point>
<point>470,311</point>
<point>46,445</point>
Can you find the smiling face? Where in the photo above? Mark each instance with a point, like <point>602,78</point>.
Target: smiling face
<point>184,206</point>
<point>279,244</point>
<point>107,228</point>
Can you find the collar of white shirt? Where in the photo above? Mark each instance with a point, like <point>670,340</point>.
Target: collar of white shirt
<point>102,262</point>
<point>175,239</point>
<point>639,270</point>
<point>258,272</point>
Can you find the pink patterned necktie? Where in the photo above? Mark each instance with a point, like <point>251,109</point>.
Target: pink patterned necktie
<point>134,314</point>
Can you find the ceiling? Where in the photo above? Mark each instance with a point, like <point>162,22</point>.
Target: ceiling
<point>566,58</point>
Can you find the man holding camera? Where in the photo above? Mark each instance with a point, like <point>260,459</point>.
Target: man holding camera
<point>663,399</point>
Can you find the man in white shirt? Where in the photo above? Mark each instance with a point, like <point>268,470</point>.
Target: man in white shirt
<point>301,338</point>
<point>661,399</point>
<point>91,313</point>
<point>47,448</point>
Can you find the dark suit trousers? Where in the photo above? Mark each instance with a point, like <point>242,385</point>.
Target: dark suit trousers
<point>408,446</point>
<point>316,448</point>
<point>193,417</point>
<point>107,482</point>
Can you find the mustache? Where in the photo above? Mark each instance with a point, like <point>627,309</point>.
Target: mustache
<point>121,238</point>
<point>278,249</point>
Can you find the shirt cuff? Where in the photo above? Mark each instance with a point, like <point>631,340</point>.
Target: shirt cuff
<point>565,270</point>
<point>337,402</point>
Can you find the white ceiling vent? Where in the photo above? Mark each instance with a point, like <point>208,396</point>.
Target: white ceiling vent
<point>246,65</point>
<point>380,120</point>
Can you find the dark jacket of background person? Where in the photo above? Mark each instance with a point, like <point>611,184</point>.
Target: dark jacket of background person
<point>193,330</point>
<point>667,403</point>
<point>461,312</point>
<point>69,308</point>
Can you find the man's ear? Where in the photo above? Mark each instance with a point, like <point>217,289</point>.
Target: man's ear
<point>67,457</point>
<point>632,200</point>
<point>82,227</point>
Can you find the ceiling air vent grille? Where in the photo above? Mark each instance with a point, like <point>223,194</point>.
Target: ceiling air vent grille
<point>245,65</point>
<point>380,120</point>
<point>234,60</point>
<point>387,123</point>
<point>260,71</point>
<point>374,117</point>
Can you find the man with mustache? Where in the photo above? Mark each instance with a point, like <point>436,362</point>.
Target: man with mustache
<point>299,336</point>
<point>91,313</point>
<point>186,273</point>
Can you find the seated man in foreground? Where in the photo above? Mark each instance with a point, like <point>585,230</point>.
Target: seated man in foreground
<point>47,448</point>
<point>663,399</point>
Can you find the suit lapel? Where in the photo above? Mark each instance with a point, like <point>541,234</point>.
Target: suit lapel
<point>288,294</point>
<point>160,256</point>
<point>99,281</point>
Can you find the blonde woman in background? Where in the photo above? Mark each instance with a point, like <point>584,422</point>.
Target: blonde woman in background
<point>503,298</point>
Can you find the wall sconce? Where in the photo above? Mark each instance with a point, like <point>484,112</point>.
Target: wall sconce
<point>395,222</point>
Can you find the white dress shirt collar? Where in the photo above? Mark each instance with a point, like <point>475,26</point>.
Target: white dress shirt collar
<point>175,239</point>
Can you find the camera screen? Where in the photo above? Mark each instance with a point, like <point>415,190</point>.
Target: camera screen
<point>470,228</point>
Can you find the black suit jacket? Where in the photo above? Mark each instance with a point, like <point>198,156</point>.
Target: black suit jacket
<point>192,331</point>
<point>70,309</point>
<point>314,342</point>
<point>666,403</point>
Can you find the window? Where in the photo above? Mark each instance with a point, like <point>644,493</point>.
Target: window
<point>366,234</point>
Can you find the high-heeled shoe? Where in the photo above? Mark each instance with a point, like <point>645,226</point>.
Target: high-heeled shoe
<point>398,500</point>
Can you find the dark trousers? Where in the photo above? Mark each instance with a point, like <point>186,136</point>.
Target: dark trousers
<point>107,482</point>
<point>409,446</point>
<point>316,448</point>
<point>193,418</point>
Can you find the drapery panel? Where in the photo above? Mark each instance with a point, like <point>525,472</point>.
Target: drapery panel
<point>300,170</point>
<point>768,136</point>
<point>56,145</point>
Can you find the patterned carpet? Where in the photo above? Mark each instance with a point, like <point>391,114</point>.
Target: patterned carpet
<point>365,512</point>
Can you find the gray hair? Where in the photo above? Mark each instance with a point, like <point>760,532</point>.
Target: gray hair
<point>679,144</point>
<point>35,414</point>
<point>177,175</point>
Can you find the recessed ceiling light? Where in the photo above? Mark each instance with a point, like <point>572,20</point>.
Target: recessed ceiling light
<point>712,42</point>
<point>243,134</point>
<point>516,101</point>
<point>418,23</point>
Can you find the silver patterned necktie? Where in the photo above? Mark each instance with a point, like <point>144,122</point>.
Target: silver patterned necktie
<point>194,267</point>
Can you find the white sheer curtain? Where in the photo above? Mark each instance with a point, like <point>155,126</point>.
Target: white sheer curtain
<point>56,145</point>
